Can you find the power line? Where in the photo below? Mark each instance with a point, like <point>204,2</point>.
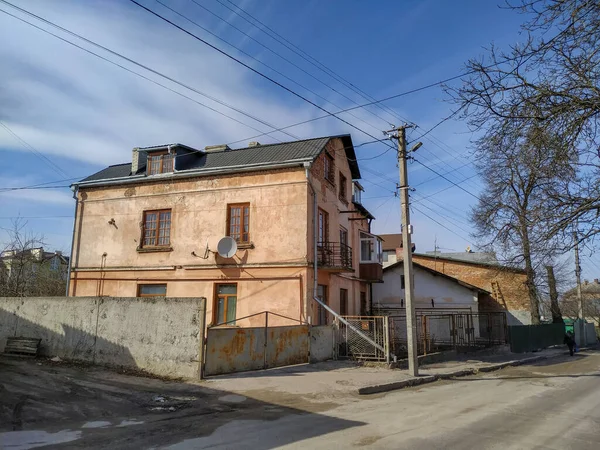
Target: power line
<point>441,224</point>
<point>38,187</point>
<point>308,58</point>
<point>233,58</point>
<point>160,74</point>
<point>447,179</point>
<point>32,186</point>
<point>261,62</point>
<point>280,56</point>
<point>446,188</point>
<point>36,152</point>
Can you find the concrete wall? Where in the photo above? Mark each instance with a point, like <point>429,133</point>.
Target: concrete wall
<point>322,343</point>
<point>445,293</point>
<point>159,335</point>
<point>511,291</point>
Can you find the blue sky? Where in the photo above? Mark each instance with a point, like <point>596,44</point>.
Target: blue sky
<point>82,113</point>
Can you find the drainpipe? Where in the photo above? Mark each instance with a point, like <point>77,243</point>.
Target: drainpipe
<point>315,287</point>
<point>75,189</point>
<point>315,256</point>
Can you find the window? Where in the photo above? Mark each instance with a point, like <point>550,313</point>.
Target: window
<point>345,248</point>
<point>152,290</point>
<point>157,228</point>
<point>370,248</point>
<point>356,192</point>
<point>363,303</point>
<point>328,171</point>
<point>238,222</point>
<point>323,227</point>
<point>343,193</point>
<point>322,312</point>
<point>226,302</point>
<point>160,162</point>
<point>343,302</point>
<point>401,281</point>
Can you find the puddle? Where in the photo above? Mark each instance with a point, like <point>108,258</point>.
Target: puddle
<point>232,398</point>
<point>163,408</point>
<point>24,440</point>
<point>96,424</point>
<point>127,423</point>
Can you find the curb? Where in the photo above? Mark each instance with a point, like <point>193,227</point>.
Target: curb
<point>376,389</point>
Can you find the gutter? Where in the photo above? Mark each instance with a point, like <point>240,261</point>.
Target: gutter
<point>315,256</point>
<point>192,173</point>
<point>75,189</point>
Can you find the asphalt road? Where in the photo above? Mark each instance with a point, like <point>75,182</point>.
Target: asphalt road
<point>554,404</point>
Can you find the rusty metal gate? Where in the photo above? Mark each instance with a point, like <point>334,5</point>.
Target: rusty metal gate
<point>354,346</point>
<point>231,349</point>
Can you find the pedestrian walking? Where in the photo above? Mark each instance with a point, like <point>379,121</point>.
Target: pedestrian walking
<point>570,341</point>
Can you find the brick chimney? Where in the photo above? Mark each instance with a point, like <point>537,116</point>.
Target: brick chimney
<point>596,281</point>
<point>399,252</point>
<point>586,282</point>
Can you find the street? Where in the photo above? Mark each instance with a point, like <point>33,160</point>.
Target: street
<point>552,404</point>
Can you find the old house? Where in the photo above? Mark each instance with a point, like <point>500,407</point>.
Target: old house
<point>150,227</point>
<point>433,290</point>
<point>505,287</point>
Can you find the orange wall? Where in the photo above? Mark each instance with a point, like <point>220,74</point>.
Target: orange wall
<point>275,275</point>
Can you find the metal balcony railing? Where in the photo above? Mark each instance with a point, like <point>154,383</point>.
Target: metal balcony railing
<point>334,255</point>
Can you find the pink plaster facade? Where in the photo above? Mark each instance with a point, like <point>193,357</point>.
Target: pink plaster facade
<point>274,274</point>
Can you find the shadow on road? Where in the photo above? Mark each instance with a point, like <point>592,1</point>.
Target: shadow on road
<point>98,408</point>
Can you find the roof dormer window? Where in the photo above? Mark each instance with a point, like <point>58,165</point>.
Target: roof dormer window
<point>160,162</point>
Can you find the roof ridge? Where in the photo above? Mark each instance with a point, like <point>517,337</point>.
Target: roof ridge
<point>277,143</point>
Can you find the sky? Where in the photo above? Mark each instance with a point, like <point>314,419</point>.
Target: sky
<point>66,113</point>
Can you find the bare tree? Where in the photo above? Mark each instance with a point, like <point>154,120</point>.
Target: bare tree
<point>25,269</point>
<point>550,80</point>
<point>519,167</point>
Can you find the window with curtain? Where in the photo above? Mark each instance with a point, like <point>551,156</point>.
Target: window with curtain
<point>238,222</point>
<point>226,303</point>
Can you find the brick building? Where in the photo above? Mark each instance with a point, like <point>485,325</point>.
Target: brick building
<point>507,287</point>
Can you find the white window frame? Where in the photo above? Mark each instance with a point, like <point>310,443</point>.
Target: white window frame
<point>376,255</point>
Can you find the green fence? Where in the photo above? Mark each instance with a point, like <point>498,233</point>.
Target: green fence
<point>527,338</point>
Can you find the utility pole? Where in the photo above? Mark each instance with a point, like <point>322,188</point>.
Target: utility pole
<point>409,290</point>
<point>579,296</point>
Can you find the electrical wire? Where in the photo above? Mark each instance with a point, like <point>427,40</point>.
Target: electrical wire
<point>259,73</point>
<point>36,152</point>
<point>119,55</point>
<point>264,64</point>
<point>440,224</point>
<point>266,47</point>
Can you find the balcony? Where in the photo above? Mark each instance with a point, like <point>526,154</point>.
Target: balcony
<point>334,256</point>
<point>372,272</point>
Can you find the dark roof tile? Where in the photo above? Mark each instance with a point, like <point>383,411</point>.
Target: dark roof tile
<point>305,150</point>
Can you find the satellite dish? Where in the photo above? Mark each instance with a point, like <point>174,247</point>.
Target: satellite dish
<point>227,247</point>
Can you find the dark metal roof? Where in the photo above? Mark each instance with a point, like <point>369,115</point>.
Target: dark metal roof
<point>116,171</point>
<point>305,150</point>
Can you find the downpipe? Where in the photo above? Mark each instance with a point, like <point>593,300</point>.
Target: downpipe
<point>316,281</point>
<point>75,189</point>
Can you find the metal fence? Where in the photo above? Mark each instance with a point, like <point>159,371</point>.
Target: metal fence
<point>231,348</point>
<point>352,343</point>
<point>439,332</point>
